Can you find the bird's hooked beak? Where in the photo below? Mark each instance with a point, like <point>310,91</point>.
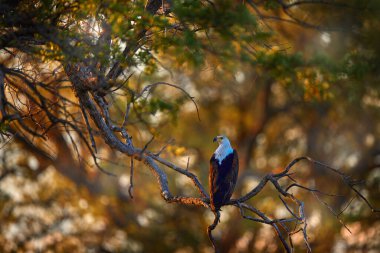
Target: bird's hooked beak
<point>215,139</point>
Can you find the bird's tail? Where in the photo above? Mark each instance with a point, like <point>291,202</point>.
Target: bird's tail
<point>215,207</point>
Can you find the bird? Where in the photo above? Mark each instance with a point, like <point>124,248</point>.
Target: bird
<point>223,173</point>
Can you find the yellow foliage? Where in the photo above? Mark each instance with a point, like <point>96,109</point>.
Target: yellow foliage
<point>176,150</point>
<point>315,84</point>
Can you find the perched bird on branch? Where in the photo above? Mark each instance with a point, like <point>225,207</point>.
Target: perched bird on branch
<point>224,168</point>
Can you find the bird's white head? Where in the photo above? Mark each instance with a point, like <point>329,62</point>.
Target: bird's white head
<point>224,148</point>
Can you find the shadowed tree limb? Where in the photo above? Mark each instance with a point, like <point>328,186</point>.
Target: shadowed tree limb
<point>211,228</point>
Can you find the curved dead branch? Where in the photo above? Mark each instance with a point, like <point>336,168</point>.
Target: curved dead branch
<point>148,88</point>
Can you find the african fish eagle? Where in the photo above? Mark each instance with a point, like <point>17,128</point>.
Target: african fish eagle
<point>224,167</point>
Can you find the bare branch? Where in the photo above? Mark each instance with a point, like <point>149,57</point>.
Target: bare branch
<point>164,147</point>
<point>310,190</point>
<point>288,208</point>
<point>93,144</point>
<point>130,189</point>
<point>212,227</point>
<point>291,18</point>
<point>332,211</point>
<point>188,161</point>
<point>151,86</point>
<point>126,115</point>
<point>345,178</point>
<point>147,144</point>
<point>190,175</point>
<point>320,2</point>
<point>348,204</point>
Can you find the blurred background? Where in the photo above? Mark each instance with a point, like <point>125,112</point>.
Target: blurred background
<point>309,90</point>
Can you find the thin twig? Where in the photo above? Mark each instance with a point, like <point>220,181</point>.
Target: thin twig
<point>188,161</point>
<point>146,145</point>
<point>93,144</point>
<point>164,147</point>
<point>150,86</point>
<point>126,115</point>
<point>130,189</point>
<point>332,211</point>
<point>348,204</point>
